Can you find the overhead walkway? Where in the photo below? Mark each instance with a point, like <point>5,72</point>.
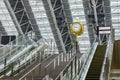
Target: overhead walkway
<point>96,65</point>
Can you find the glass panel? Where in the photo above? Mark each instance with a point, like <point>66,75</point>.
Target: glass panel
<point>115,12</point>
<point>23,51</point>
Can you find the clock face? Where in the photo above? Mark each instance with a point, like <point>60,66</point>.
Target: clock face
<point>76,27</point>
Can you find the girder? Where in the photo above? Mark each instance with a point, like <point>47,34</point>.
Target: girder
<point>97,14</point>
<point>32,18</point>
<point>22,17</point>
<point>59,21</point>
<point>89,20</point>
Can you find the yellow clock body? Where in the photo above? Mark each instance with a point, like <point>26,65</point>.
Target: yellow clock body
<point>76,28</point>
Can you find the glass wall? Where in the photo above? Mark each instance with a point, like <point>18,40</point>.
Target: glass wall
<point>115,13</point>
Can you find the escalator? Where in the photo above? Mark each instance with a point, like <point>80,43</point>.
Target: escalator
<point>96,64</point>
<point>18,57</point>
<point>10,60</point>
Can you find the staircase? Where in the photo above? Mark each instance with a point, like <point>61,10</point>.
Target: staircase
<point>96,65</point>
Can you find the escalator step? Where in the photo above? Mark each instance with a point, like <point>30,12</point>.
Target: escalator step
<point>95,71</point>
<point>93,76</point>
<point>96,65</point>
<point>92,79</point>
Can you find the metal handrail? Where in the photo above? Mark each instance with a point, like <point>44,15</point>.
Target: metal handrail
<point>24,40</point>
<point>86,65</point>
<point>17,57</point>
<point>108,50</point>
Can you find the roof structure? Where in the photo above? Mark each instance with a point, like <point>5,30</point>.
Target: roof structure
<point>50,19</point>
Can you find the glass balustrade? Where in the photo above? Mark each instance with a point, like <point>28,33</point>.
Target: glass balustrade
<point>22,52</point>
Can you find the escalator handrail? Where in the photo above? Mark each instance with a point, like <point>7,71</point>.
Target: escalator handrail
<point>11,43</point>
<point>108,50</point>
<point>19,54</point>
<point>16,57</point>
<point>84,70</point>
<point>33,43</point>
<point>5,55</point>
<point>23,53</point>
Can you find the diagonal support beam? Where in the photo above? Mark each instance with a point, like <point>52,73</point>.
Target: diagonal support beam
<point>31,17</point>
<point>97,14</point>
<point>17,25</point>
<point>54,26</point>
<point>59,16</point>
<point>21,13</point>
<point>89,19</point>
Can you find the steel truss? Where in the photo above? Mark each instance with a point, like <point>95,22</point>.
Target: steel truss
<point>22,15</point>
<point>60,18</point>
<point>97,14</point>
